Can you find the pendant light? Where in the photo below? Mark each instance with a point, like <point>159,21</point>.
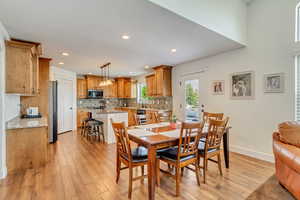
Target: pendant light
<point>106,80</point>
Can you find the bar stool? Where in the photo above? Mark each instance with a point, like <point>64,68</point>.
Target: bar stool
<point>95,129</point>
<point>83,124</point>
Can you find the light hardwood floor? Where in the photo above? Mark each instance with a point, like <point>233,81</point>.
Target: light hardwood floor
<point>79,169</point>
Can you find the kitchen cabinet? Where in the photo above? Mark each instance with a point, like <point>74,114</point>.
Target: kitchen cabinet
<point>40,100</point>
<point>26,148</point>
<point>81,115</point>
<point>124,87</point>
<point>93,82</point>
<point>159,84</point>
<point>111,91</point>
<point>151,85</point>
<point>22,67</point>
<point>81,88</point>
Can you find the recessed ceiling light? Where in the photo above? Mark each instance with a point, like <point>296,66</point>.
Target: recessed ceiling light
<point>61,63</point>
<point>173,50</point>
<point>65,54</point>
<point>125,37</point>
<point>147,67</point>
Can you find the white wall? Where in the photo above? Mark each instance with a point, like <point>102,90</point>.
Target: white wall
<point>61,74</point>
<point>3,36</point>
<point>12,106</point>
<point>227,18</point>
<point>270,50</point>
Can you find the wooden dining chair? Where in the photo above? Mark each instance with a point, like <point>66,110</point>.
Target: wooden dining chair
<point>131,158</point>
<point>186,153</point>
<point>211,147</point>
<point>215,116</point>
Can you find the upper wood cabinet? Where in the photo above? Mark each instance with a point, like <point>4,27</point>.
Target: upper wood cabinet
<point>93,82</point>
<point>111,91</point>
<point>81,88</point>
<point>123,87</point>
<point>22,67</point>
<point>151,85</point>
<point>159,84</point>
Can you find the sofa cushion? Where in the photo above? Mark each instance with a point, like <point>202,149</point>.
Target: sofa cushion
<point>290,133</point>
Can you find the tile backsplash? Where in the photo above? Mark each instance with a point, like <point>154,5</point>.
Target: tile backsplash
<point>164,103</point>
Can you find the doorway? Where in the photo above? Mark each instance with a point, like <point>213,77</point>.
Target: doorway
<point>192,104</point>
<point>65,105</point>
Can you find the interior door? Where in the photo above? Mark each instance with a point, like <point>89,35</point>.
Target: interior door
<point>65,106</point>
<point>192,104</point>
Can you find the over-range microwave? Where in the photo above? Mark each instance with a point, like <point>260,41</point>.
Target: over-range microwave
<point>95,94</point>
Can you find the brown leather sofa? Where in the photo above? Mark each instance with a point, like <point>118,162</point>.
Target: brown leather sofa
<point>287,164</point>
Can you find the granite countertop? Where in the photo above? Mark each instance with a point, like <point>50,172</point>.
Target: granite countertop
<point>110,111</point>
<point>152,109</point>
<point>18,123</point>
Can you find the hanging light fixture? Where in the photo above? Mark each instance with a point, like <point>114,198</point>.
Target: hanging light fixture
<point>106,80</point>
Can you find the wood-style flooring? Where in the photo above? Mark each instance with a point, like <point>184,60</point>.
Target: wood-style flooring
<point>78,169</point>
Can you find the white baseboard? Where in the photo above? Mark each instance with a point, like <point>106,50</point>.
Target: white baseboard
<point>3,172</point>
<point>251,153</point>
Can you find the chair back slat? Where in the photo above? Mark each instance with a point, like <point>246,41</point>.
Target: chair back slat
<point>215,133</point>
<point>122,139</point>
<point>216,116</point>
<point>189,139</point>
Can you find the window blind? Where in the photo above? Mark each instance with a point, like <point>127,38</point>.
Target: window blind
<point>297,87</point>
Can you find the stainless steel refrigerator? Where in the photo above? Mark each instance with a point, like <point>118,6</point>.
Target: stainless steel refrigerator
<point>52,124</point>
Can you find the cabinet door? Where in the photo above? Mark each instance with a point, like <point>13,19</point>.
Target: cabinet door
<point>35,75</point>
<point>150,85</point>
<point>120,92</point>
<point>127,89</point>
<point>81,89</point>
<point>18,69</point>
<point>159,82</point>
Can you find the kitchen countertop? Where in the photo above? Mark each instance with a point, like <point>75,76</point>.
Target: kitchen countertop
<point>109,111</point>
<point>18,123</point>
<point>152,109</point>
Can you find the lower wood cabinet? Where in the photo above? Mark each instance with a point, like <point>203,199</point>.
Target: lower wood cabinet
<point>81,115</point>
<point>26,148</point>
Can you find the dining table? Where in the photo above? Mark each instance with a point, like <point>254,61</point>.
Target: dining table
<point>162,135</point>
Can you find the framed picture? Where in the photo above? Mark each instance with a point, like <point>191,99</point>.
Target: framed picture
<point>218,87</point>
<point>242,85</point>
<point>274,83</point>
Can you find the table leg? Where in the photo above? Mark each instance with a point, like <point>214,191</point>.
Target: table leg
<point>151,172</point>
<point>226,148</point>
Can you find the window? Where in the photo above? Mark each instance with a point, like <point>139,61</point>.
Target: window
<point>192,109</point>
<point>297,25</point>
<point>297,89</point>
<point>142,93</point>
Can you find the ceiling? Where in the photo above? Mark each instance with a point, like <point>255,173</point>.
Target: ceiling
<point>91,32</point>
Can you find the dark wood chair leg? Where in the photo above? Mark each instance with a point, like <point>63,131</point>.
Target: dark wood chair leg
<point>197,172</point>
<point>204,168</point>
<point>130,181</point>
<point>177,181</point>
<point>118,169</point>
<point>157,172</point>
<point>143,172</point>
<point>182,170</point>
<point>219,164</point>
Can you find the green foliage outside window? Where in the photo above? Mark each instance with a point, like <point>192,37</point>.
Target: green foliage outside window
<point>192,97</point>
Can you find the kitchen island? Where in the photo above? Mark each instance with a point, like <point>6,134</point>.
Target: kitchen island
<point>105,116</point>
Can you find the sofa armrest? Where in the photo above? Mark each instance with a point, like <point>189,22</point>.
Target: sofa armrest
<point>288,154</point>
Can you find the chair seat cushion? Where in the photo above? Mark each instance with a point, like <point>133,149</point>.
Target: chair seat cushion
<point>139,154</point>
<point>171,154</point>
<point>201,147</point>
